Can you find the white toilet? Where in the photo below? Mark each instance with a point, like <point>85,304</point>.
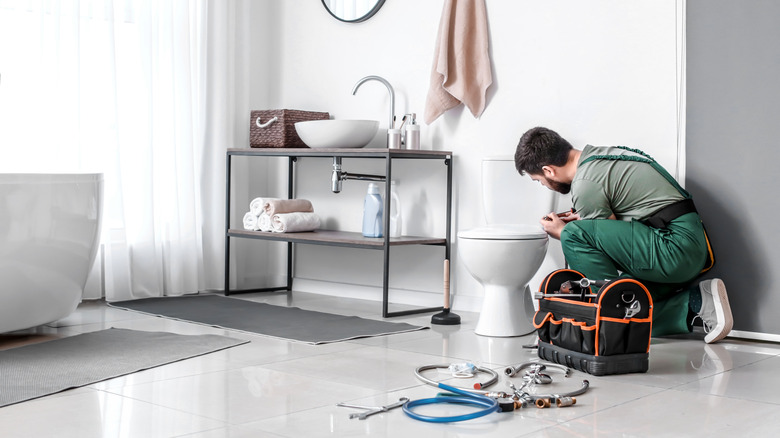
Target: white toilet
<point>504,255</point>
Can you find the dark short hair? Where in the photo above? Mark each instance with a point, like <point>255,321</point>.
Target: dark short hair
<point>540,147</point>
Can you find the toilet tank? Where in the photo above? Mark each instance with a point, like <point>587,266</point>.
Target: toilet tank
<point>511,198</point>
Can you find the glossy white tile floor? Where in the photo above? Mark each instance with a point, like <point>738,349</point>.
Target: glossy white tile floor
<point>274,388</point>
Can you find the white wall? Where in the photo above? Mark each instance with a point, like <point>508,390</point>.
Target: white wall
<point>601,72</point>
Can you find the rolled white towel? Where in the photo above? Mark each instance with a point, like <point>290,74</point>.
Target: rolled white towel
<point>278,206</point>
<point>257,205</point>
<point>250,221</point>
<point>264,222</point>
<point>295,222</point>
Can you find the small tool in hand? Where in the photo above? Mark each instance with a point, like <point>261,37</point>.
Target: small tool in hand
<point>564,214</point>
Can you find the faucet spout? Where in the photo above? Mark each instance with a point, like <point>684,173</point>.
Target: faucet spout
<point>389,89</point>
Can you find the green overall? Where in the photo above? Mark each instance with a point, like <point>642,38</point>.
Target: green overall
<point>665,260</point>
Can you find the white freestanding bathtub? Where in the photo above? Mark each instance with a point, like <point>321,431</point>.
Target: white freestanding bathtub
<point>49,236</point>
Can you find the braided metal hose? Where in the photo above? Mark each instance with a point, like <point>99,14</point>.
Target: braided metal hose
<point>478,387</point>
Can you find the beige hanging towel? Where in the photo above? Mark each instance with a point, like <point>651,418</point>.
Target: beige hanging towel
<point>461,64</point>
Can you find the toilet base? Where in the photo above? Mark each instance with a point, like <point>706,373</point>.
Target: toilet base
<point>506,312</point>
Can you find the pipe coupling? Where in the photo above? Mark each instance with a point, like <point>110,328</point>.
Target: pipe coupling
<point>563,402</point>
<point>542,403</point>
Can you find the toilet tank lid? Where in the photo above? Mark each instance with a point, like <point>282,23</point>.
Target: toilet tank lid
<point>499,158</point>
<point>505,232</point>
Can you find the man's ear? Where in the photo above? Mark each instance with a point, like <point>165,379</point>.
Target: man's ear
<point>548,171</point>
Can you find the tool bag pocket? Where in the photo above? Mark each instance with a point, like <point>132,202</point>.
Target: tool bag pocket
<point>607,332</point>
<point>570,327</point>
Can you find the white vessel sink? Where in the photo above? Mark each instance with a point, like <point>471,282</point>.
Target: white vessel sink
<point>337,133</point>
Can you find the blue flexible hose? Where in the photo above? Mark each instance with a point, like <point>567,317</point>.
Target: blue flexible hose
<point>467,398</point>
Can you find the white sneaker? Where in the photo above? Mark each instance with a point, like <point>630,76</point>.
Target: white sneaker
<point>715,310</point>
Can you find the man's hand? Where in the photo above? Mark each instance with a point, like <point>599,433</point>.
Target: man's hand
<point>553,223</point>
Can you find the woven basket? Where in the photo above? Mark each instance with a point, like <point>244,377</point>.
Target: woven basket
<point>276,128</point>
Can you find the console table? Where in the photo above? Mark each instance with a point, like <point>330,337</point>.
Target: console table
<point>336,237</point>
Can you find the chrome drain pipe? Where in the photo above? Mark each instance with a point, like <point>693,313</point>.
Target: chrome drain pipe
<point>338,175</point>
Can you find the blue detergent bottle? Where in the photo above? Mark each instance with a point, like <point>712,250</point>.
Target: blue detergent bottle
<point>372,212</point>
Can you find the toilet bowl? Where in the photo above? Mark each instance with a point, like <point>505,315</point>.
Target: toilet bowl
<point>504,255</point>
<point>503,259</point>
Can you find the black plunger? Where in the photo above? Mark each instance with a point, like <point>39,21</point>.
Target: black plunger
<point>446,317</point>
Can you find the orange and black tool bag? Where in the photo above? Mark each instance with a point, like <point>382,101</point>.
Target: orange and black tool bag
<point>606,332</point>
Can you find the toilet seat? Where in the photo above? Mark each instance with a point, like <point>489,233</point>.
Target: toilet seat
<point>505,232</point>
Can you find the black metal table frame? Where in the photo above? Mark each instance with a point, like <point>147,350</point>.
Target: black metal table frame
<point>292,155</point>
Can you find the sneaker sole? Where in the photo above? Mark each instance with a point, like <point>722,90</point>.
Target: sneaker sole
<point>722,311</point>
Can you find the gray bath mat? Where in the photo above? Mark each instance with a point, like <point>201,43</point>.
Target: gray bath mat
<point>289,323</point>
<point>49,367</point>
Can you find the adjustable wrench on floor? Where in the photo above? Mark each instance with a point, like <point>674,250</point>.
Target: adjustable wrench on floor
<point>374,410</point>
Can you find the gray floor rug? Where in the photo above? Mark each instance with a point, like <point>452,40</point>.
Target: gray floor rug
<point>49,367</point>
<point>289,323</point>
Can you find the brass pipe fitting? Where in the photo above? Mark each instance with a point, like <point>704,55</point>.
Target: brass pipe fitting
<point>563,402</point>
<point>542,403</point>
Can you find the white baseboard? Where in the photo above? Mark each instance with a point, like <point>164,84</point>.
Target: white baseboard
<point>374,293</point>
<point>755,336</point>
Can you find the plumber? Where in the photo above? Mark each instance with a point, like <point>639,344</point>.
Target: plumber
<point>632,220</point>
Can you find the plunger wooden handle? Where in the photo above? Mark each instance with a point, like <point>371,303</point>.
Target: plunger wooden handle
<point>446,284</point>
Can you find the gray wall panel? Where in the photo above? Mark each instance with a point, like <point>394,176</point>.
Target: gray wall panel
<point>732,153</point>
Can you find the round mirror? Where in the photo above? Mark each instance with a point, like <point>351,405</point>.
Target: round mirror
<point>352,11</point>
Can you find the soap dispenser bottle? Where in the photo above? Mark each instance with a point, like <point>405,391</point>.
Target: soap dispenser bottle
<point>395,211</point>
<point>372,212</point>
<point>412,133</point>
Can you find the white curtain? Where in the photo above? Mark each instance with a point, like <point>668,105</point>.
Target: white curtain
<point>127,88</point>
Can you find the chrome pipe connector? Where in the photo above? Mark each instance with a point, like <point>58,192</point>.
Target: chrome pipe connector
<point>536,367</point>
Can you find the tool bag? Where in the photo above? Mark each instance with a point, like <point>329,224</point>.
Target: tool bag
<point>603,333</point>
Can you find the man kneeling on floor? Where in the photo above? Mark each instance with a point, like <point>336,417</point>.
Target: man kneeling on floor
<point>632,220</point>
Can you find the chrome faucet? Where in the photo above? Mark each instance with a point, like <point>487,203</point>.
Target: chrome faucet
<point>389,89</point>
<point>338,175</point>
